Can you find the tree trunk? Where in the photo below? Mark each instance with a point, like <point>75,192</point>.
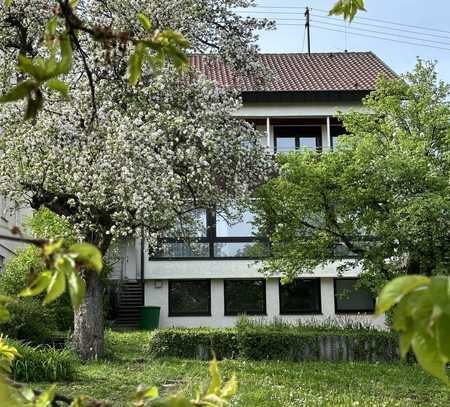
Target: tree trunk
<point>88,336</point>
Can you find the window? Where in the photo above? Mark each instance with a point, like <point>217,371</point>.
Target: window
<point>245,297</point>
<point>336,131</point>
<point>189,298</point>
<point>292,138</point>
<point>214,238</point>
<point>347,299</point>
<point>2,263</point>
<point>244,228</point>
<point>301,296</point>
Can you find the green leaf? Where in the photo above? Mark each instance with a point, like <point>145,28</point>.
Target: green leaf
<point>39,284</point>
<point>4,299</point>
<point>8,3</point>
<point>21,91</point>
<point>34,104</point>
<point>440,293</point>
<point>428,356</point>
<point>52,25</point>
<point>4,314</point>
<point>216,381</point>
<point>88,255</point>
<point>135,63</point>
<point>45,399</point>
<point>405,342</point>
<point>56,287</point>
<point>59,86</point>
<point>77,289</point>
<point>442,333</point>
<point>26,65</point>
<point>144,20</point>
<point>53,247</point>
<point>230,388</point>
<point>347,8</point>
<point>396,289</point>
<point>65,64</point>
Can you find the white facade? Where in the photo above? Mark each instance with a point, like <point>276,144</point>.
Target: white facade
<point>158,273</point>
<point>10,217</point>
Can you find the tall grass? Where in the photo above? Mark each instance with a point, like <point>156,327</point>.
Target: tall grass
<point>330,324</point>
<point>43,363</point>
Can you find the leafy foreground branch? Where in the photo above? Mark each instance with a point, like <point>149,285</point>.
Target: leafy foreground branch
<point>422,316</point>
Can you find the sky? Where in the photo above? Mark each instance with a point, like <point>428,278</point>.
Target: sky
<point>429,20</point>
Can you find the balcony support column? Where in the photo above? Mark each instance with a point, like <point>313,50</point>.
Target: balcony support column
<point>269,146</point>
<point>329,133</point>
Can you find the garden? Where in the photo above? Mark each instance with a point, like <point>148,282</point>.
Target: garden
<point>270,383</point>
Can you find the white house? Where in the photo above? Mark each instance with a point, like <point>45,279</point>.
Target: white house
<point>214,284</point>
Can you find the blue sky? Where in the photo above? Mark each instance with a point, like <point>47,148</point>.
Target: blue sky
<point>434,14</point>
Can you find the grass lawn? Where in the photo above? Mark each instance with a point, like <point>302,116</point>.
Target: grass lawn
<point>260,383</point>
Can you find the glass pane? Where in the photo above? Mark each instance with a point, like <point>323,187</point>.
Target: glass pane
<point>285,144</point>
<point>308,143</point>
<point>234,249</point>
<point>189,297</point>
<point>245,297</point>
<point>243,228</point>
<point>183,249</point>
<point>300,296</point>
<point>334,141</point>
<point>350,300</point>
<point>195,226</point>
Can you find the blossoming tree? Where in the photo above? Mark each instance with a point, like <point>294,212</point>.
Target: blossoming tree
<point>117,160</point>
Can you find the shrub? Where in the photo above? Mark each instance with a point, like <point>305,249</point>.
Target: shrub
<point>42,363</point>
<point>30,321</point>
<point>195,343</point>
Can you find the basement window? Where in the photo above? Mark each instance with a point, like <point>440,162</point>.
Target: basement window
<point>350,300</point>
<point>301,296</point>
<point>189,298</point>
<point>245,297</point>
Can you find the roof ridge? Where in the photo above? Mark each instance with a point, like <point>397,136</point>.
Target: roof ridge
<point>296,53</point>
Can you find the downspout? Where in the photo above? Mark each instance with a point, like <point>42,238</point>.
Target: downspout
<point>142,266</point>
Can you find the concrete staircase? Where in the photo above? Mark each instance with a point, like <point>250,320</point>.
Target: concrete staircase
<point>130,300</point>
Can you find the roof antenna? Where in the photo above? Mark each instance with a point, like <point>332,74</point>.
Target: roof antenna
<point>346,36</point>
<point>307,29</point>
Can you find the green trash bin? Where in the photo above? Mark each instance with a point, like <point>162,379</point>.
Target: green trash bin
<point>149,318</point>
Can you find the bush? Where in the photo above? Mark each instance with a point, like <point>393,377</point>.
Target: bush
<point>30,321</point>
<point>42,363</point>
<point>278,342</point>
<point>198,343</point>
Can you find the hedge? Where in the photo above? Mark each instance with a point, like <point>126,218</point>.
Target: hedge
<point>284,344</point>
<point>198,343</point>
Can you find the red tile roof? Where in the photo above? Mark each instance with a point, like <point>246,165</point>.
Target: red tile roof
<point>343,71</point>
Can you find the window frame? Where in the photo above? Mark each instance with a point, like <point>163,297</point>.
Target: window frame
<point>233,314</point>
<point>210,239</point>
<point>286,128</point>
<point>319,292</point>
<point>188,314</point>
<point>355,311</point>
